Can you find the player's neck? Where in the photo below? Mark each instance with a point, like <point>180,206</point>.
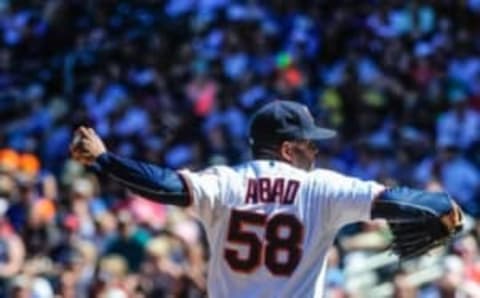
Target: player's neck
<point>268,154</point>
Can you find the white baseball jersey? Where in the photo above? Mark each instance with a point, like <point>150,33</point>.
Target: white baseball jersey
<point>270,225</point>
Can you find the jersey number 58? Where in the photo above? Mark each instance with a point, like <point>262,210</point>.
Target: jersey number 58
<point>279,252</point>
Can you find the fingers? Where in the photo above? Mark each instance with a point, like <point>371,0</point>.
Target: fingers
<point>86,161</point>
<point>86,131</point>
<point>88,143</point>
<point>80,144</point>
<point>82,130</point>
<point>84,137</point>
<point>91,132</point>
<point>458,217</point>
<point>82,157</point>
<point>453,221</point>
<point>459,213</point>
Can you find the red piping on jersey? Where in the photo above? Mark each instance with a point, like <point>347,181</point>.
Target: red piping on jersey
<point>188,187</point>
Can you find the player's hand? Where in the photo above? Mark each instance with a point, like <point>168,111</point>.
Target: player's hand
<point>86,146</point>
<point>453,221</point>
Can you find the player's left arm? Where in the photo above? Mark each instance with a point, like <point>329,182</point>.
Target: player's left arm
<point>419,220</point>
<point>404,204</point>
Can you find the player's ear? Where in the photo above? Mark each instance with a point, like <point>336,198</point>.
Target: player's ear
<point>286,151</point>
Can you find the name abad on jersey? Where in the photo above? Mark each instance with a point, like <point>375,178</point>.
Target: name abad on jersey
<point>267,190</point>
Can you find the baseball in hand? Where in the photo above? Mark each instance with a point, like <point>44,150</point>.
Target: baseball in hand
<point>86,146</point>
<point>76,150</point>
<point>77,139</point>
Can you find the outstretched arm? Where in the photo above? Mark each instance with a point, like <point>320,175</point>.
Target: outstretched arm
<point>153,182</point>
<point>419,220</point>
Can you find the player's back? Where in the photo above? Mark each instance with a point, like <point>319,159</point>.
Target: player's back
<point>270,226</point>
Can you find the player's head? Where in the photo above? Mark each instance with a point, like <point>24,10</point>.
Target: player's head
<point>286,130</point>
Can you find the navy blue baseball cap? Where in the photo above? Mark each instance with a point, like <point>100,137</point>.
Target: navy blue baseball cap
<point>283,120</point>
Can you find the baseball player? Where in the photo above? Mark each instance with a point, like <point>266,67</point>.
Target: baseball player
<point>271,221</point>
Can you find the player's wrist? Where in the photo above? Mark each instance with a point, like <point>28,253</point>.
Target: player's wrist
<point>102,157</point>
<point>97,155</point>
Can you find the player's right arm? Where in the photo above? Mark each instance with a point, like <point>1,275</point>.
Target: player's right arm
<point>183,188</point>
<point>156,183</point>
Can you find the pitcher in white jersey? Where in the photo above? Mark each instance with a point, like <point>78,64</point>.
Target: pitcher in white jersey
<point>269,221</point>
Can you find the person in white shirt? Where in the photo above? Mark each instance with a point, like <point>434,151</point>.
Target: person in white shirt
<point>270,221</point>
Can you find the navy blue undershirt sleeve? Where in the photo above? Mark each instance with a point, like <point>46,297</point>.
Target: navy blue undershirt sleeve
<point>150,181</point>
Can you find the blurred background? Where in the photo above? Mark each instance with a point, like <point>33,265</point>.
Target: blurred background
<point>174,82</point>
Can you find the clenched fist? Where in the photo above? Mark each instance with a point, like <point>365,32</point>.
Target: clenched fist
<point>86,146</point>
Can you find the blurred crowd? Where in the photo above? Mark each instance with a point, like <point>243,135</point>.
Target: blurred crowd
<point>175,81</point>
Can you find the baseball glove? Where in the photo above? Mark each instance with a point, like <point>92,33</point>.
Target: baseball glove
<point>419,220</point>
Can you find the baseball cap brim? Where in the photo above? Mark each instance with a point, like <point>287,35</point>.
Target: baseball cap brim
<point>319,133</point>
